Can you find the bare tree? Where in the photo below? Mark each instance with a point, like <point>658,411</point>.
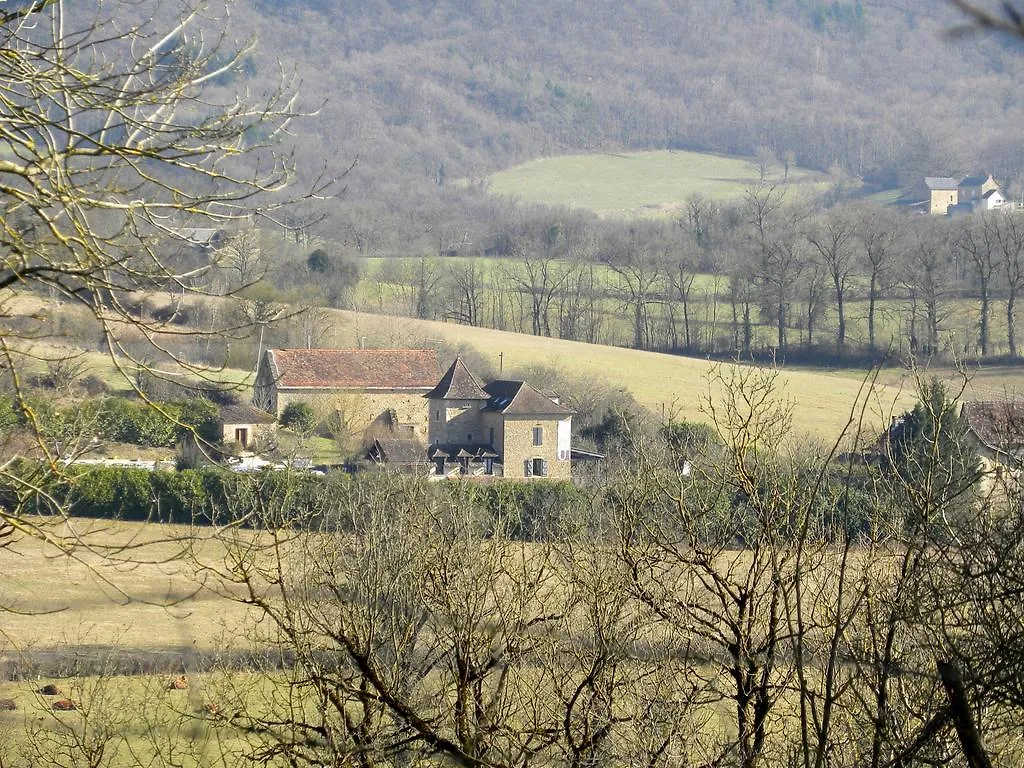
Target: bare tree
<point>681,276</point>
<point>1008,232</point>
<point>773,237</point>
<point>878,233</point>
<point>539,278</point>
<point>974,238</point>
<point>242,254</point>
<point>118,140</point>
<point>467,293</point>
<point>814,281</point>
<point>832,239</point>
<point>639,268</point>
<point>927,275</point>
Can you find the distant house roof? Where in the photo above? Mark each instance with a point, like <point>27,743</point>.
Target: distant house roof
<point>990,193</point>
<point>241,413</point>
<point>458,383</point>
<point>998,425</point>
<point>941,182</point>
<point>973,181</point>
<point>517,398</point>
<point>353,368</point>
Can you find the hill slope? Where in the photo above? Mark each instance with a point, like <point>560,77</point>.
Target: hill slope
<point>425,91</point>
<point>822,402</point>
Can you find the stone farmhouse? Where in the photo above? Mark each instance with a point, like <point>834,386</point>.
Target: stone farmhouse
<point>949,195</point>
<point>506,428</point>
<point>360,386</point>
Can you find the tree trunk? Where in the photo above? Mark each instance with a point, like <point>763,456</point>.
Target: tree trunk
<point>872,297</point>
<point>781,311</point>
<point>735,323</point>
<point>1011,335</point>
<point>983,320</point>
<point>746,328</point>
<point>841,308</point>
<point>933,325</point>
<point>963,720</point>
<point>686,324</point>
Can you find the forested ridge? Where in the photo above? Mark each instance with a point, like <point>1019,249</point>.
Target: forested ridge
<point>425,93</point>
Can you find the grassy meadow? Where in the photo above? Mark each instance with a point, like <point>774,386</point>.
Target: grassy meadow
<point>678,386</point>
<point>674,385</point>
<point>640,183</point>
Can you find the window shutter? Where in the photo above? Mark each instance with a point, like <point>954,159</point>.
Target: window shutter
<point>544,468</point>
<point>528,468</point>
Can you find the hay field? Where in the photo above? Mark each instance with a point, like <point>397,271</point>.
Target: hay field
<point>678,385</point>
<point>129,585</point>
<point>639,183</point>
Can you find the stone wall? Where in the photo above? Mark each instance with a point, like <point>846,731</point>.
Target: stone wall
<point>359,409</point>
<point>941,200</point>
<point>518,447</point>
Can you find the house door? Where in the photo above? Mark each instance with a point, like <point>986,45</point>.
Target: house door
<point>242,436</point>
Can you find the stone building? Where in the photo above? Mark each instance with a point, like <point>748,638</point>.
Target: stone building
<point>942,193</point>
<point>506,428</point>
<point>995,430</point>
<point>240,430</point>
<point>356,386</point>
<point>247,427</point>
<point>948,195</point>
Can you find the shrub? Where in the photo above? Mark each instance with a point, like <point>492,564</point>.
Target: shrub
<point>299,417</point>
<point>126,421</point>
<point>318,261</point>
<point>202,416</point>
<point>94,385</point>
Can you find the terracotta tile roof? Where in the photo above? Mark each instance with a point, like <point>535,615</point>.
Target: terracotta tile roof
<point>517,398</point>
<point>999,425</point>
<point>458,383</point>
<point>354,368</point>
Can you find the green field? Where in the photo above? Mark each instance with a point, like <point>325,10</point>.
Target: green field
<point>387,287</point>
<point>641,183</point>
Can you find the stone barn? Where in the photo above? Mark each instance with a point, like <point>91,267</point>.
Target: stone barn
<point>353,386</point>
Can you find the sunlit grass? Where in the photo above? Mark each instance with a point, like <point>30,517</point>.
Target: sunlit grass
<point>644,183</point>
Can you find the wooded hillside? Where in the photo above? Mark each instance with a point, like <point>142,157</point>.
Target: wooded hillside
<point>426,92</point>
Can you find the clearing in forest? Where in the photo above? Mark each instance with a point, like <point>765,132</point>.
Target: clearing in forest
<point>641,183</point>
